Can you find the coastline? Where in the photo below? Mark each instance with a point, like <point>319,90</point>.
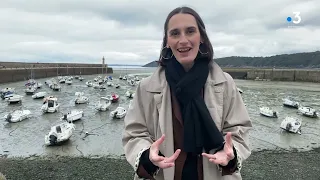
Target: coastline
<point>266,165</point>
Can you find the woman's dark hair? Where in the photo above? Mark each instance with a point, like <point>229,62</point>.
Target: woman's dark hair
<point>206,42</point>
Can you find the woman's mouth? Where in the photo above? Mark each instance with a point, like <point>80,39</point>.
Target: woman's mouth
<point>183,50</point>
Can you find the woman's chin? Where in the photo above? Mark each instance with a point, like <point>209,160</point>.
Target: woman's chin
<point>186,60</point>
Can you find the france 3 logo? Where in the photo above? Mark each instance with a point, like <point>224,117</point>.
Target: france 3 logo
<point>294,20</point>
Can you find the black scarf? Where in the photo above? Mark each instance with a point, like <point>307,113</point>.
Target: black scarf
<point>200,131</point>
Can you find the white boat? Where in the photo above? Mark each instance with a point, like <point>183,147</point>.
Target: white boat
<point>96,85</point>
<point>124,77</point>
<point>103,104</point>
<point>50,105</point>
<point>73,115</point>
<point>117,86</point>
<point>101,86</point>
<point>59,133</point>
<point>119,113</point>
<point>81,78</point>
<point>89,83</point>
<point>266,111</point>
<point>80,98</point>
<point>39,95</point>
<point>289,102</point>
<point>130,94</point>
<point>17,116</point>
<point>55,87</point>
<point>14,99</point>
<point>6,92</point>
<point>30,90</point>
<point>291,124</point>
<point>68,81</point>
<point>131,82</point>
<point>62,80</point>
<point>308,111</point>
<point>109,83</point>
<point>39,85</point>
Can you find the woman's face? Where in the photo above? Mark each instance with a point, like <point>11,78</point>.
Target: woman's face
<point>183,38</point>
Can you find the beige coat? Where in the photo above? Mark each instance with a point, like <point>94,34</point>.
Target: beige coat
<point>150,116</point>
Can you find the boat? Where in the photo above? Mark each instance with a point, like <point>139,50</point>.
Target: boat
<point>31,89</point>
<point>55,87</point>
<point>89,83</point>
<point>59,133</point>
<point>62,80</point>
<point>73,115</point>
<point>117,86</point>
<point>6,95</point>
<point>101,86</point>
<point>15,98</point>
<point>103,104</point>
<point>17,116</point>
<point>38,85</point>
<point>68,81</point>
<point>131,82</point>
<point>119,113</point>
<point>291,124</point>
<point>96,85</point>
<point>308,111</point>
<point>109,83</point>
<point>50,105</point>
<point>80,98</point>
<point>39,95</point>
<point>289,102</point>
<point>6,92</point>
<point>130,94</point>
<point>81,78</point>
<point>113,98</point>
<point>266,111</point>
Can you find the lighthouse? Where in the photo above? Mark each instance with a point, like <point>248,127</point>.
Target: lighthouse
<point>103,64</point>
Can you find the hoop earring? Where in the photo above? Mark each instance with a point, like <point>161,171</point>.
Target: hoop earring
<point>201,45</point>
<point>166,52</point>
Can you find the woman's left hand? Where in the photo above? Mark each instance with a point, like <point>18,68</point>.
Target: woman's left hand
<point>225,155</point>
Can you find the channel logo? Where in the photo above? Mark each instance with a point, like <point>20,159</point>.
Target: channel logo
<point>295,19</point>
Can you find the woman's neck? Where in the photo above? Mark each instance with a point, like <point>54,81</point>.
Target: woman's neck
<point>188,66</point>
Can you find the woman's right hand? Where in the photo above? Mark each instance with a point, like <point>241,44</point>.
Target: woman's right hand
<point>160,161</point>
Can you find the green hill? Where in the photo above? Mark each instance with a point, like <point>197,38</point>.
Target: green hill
<point>296,60</point>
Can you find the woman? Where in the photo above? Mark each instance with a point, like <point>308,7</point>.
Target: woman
<point>187,120</point>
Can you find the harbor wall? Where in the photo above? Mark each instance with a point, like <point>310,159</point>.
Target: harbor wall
<point>299,75</point>
<point>15,65</point>
<point>21,74</point>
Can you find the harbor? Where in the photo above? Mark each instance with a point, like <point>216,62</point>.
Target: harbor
<point>26,138</point>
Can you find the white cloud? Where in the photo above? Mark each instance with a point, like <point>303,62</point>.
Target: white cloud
<point>130,32</point>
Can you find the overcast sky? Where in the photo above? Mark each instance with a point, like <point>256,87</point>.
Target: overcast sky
<point>130,32</point>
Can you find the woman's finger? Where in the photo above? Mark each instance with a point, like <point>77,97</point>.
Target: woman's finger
<point>229,140</point>
<point>158,142</point>
<point>209,156</point>
<point>173,157</point>
<point>156,158</point>
<point>164,165</point>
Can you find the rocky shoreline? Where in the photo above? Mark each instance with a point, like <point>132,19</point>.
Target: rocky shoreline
<point>264,165</point>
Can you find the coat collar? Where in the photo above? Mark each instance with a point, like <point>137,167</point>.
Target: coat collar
<point>158,79</point>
